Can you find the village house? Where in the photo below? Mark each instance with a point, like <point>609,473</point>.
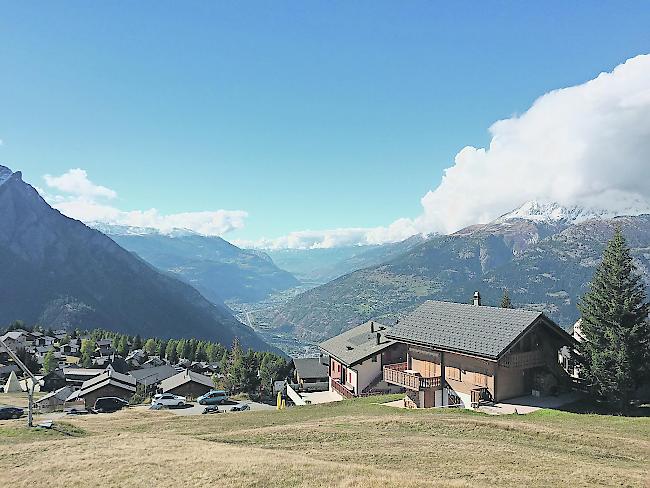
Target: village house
<point>53,381</point>
<point>53,400</point>
<point>464,354</point>
<point>76,376</point>
<point>311,374</point>
<point>109,383</point>
<point>104,347</point>
<point>187,384</point>
<point>150,378</point>
<point>15,340</point>
<point>357,357</point>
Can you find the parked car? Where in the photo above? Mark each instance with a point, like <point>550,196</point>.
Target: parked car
<point>75,411</point>
<point>212,409</point>
<point>240,408</point>
<point>168,400</point>
<point>213,397</point>
<point>109,404</point>
<point>7,412</point>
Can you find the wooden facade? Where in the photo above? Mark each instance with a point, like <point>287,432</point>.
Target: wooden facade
<point>436,377</point>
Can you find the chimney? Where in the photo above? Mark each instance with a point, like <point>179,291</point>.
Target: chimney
<point>477,299</point>
<point>378,338</point>
<point>372,326</point>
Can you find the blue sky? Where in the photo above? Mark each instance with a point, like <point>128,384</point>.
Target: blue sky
<point>305,115</point>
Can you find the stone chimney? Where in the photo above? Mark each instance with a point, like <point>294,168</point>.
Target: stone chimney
<point>372,326</point>
<point>477,299</point>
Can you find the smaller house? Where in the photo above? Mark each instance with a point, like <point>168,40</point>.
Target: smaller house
<point>15,340</point>
<point>53,381</point>
<point>54,400</point>
<point>153,362</point>
<point>312,374</point>
<point>76,376</point>
<point>109,383</point>
<point>136,358</point>
<point>150,378</point>
<point>187,384</point>
<point>104,347</point>
<point>357,357</point>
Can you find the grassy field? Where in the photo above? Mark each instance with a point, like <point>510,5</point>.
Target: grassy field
<point>355,443</point>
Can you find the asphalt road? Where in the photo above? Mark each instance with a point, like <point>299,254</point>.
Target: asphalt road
<point>196,409</point>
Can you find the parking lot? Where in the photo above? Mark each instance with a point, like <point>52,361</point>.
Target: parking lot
<point>195,409</point>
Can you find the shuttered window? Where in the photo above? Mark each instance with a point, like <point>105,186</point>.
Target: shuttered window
<point>453,373</point>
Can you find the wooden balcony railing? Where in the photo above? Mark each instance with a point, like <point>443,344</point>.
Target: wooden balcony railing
<point>524,360</point>
<point>340,389</point>
<point>397,374</point>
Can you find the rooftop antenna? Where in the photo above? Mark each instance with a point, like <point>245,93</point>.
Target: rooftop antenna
<point>30,389</point>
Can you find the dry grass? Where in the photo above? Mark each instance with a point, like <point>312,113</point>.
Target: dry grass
<point>349,444</point>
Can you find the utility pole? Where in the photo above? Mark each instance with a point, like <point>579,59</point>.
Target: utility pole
<point>30,390</point>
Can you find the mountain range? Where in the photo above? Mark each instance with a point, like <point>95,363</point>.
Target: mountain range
<point>218,269</point>
<point>320,265</point>
<point>57,272</point>
<point>544,254</point>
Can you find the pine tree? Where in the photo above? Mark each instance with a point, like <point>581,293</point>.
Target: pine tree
<point>49,362</point>
<point>615,354</point>
<point>505,300</point>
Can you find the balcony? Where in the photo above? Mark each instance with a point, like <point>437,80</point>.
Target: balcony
<point>524,360</point>
<point>341,389</point>
<point>398,374</point>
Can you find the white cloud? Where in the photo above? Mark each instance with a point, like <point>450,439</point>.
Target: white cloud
<point>86,201</point>
<point>76,182</point>
<point>585,145</point>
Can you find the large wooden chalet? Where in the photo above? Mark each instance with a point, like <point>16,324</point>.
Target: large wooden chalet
<point>464,354</point>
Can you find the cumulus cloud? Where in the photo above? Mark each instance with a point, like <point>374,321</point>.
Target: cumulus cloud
<point>75,182</point>
<point>81,199</point>
<point>586,145</point>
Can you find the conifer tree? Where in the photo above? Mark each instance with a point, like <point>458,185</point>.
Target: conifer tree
<point>615,354</point>
<point>505,300</point>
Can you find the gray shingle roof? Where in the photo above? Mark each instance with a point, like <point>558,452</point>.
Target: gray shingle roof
<point>355,345</point>
<point>150,376</point>
<point>311,367</point>
<point>483,331</point>
<point>185,377</point>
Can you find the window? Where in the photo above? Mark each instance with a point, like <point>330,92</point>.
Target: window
<point>480,379</point>
<point>453,373</point>
<point>350,377</point>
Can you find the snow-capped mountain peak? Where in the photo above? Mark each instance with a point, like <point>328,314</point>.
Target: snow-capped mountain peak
<point>553,212</point>
<point>130,230</point>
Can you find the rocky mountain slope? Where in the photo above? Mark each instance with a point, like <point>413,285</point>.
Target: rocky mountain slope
<point>544,263</point>
<point>218,269</point>
<point>57,272</point>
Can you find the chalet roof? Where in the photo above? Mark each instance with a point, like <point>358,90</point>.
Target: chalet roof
<point>61,394</point>
<point>311,368</point>
<point>12,334</point>
<point>470,329</point>
<point>183,377</point>
<point>153,375</point>
<point>108,377</point>
<point>104,343</point>
<point>355,345</point>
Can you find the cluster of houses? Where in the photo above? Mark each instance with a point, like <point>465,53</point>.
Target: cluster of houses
<point>442,354</point>
<point>447,354</point>
<point>70,385</point>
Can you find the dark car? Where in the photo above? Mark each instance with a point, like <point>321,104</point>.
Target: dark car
<point>212,409</point>
<point>109,404</point>
<point>240,408</point>
<point>7,412</point>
